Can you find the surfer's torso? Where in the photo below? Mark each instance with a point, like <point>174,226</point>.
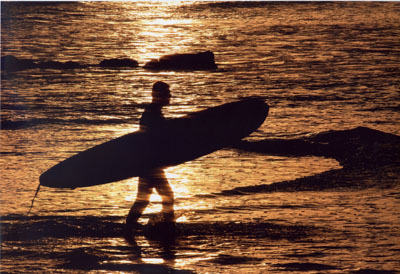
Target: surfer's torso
<point>152,117</point>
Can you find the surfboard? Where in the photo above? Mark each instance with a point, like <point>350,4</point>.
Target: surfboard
<point>174,142</point>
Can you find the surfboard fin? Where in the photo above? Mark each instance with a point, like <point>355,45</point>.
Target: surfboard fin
<point>33,200</point>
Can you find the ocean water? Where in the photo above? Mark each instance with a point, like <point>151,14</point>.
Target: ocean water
<point>321,66</point>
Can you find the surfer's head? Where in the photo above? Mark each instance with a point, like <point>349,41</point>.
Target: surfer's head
<point>161,93</point>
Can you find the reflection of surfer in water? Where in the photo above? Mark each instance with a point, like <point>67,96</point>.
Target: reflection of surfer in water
<point>153,178</point>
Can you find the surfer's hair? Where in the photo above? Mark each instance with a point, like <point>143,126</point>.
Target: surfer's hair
<point>161,88</point>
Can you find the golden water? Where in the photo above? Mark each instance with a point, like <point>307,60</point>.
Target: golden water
<point>320,66</point>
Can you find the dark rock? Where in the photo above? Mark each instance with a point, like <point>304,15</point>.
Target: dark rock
<point>360,146</point>
<point>11,63</point>
<point>354,147</point>
<point>59,65</point>
<point>112,63</point>
<point>369,159</point>
<point>188,61</point>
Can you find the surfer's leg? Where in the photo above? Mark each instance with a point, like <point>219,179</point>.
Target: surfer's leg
<point>167,195</point>
<point>142,200</point>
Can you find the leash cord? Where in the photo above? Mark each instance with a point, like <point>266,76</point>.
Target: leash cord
<point>33,200</point>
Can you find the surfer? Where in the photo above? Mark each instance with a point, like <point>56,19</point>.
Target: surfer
<point>153,178</point>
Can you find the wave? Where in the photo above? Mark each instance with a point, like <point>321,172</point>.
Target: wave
<point>26,228</point>
<point>318,98</point>
<point>381,108</point>
<point>22,124</point>
<point>55,242</point>
<point>234,4</point>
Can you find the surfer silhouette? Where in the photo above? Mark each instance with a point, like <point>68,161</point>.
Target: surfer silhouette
<point>155,178</point>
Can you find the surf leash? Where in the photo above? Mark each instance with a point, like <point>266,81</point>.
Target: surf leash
<point>33,200</point>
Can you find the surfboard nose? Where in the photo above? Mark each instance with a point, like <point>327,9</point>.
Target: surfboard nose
<point>50,178</point>
<point>45,179</point>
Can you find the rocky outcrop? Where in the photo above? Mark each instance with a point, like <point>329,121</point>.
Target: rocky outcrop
<point>369,159</point>
<point>188,61</point>
<point>59,65</point>
<point>353,147</point>
<point>10,63</point>
<point>115,63</point>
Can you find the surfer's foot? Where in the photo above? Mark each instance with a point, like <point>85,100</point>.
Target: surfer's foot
<point>131,225</point>
<point>130,230</point>
<point>161,230</point>
<point>168,217</point>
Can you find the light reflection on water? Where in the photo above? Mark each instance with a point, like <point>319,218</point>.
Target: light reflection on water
<point>319,66</point>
